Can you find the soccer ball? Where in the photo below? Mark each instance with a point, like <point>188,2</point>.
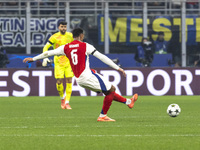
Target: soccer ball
<point>173,110</point>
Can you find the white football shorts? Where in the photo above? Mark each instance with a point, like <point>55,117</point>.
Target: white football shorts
<point>94,82</point>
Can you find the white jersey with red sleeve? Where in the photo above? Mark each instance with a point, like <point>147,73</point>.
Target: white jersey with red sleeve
<point>78,54</point>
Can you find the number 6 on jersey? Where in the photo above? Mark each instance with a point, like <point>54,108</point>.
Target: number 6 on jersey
<point>74,57</point>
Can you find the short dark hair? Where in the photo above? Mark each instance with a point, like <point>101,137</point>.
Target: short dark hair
<point>62,22</point>
<point>77,32</point>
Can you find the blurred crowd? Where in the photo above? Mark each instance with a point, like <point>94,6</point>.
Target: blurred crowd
<point>190,4</point>
<point>147,47</point>
<point>175,4</point>
<point>3,57</point>
<point>145,51</point>
<point>45,6</point>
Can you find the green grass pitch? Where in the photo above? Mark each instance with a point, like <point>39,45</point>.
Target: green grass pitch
<point>38,123</point>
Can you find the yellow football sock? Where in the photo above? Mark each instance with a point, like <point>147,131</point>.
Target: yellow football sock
<point>60,89</point>
<point>68,92</point>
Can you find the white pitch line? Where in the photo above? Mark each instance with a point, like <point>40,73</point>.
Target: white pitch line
<point>88,135</point>
<point>39,127</point>
<point>97,126</point>
<point>79,117</point>
<point>23,127</point>
<point>92,117</point>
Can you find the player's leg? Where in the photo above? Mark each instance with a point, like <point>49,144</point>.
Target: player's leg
<point>109,96</point>
<point>68,74</point>
<point>129,102</point>
<point>98,83</point>
<point>59,75</point>
<point>59,86</point>
<point>60,89</point>
<point>68,92</point>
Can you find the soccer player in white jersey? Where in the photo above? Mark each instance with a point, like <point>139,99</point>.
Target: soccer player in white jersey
<point>78,54</point>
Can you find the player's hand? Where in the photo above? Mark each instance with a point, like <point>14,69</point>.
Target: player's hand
<point>123,72</point>
<point>28,60</point>
<point>45,61</point>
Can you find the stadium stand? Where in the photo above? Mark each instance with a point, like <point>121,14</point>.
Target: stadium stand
<point>125,25</point>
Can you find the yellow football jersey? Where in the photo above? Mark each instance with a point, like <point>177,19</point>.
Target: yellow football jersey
<point>57,40</point>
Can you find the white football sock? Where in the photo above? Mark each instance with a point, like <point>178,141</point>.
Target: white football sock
<point>128,101</point>
<point>66,102</point>
<point>102,115</point>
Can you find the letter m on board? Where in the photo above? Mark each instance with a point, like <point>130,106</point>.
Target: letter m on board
<point>117,29</point>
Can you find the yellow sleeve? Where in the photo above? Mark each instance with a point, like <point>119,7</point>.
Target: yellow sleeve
<point>72,39</point>
<point>46,47</point>
<point>48,44</point>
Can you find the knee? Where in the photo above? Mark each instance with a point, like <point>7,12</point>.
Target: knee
<point>68,80</point>
<point>59,81</point>
<point>112,89</point>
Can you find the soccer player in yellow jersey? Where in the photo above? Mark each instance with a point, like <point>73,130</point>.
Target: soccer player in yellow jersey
<point>62,65</point>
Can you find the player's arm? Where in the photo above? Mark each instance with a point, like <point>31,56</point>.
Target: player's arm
<point>46,47</point>
<point>107,61</point>
<point>57,51</point>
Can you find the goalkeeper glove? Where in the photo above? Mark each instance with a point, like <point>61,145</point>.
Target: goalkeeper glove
<point>45,61</point>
